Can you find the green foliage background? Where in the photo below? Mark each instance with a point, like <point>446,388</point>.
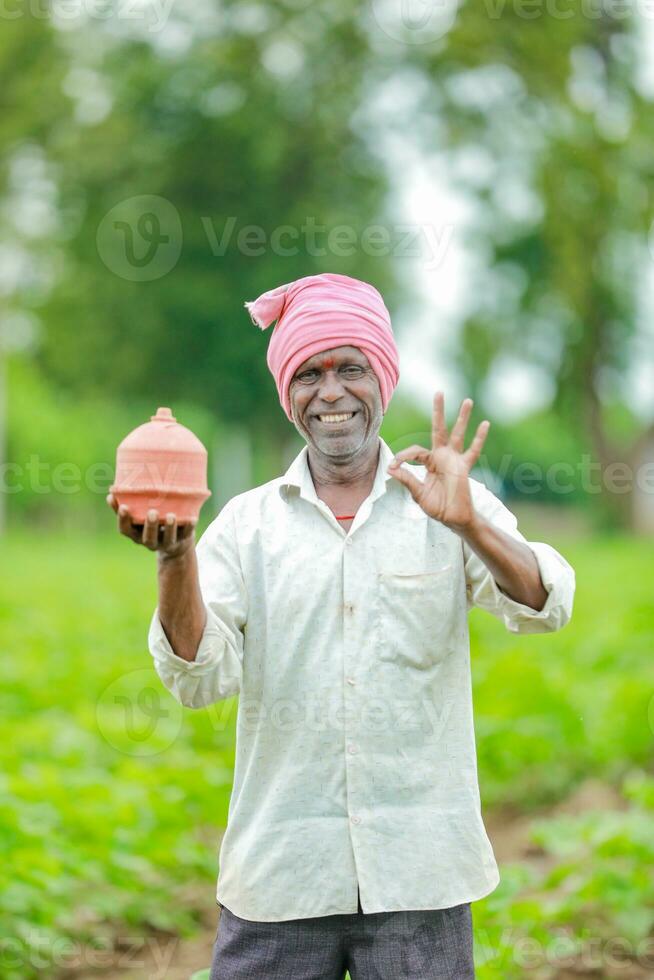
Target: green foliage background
<point>282,114</point>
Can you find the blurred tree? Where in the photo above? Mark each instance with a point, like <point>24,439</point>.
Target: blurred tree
<point>541,115</point>
<point>32,66</point>
<point>203,159</point>
<point>192,136</point>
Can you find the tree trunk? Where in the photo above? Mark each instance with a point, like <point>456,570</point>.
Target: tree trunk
<point>618,506</point>
<point>642,498</point>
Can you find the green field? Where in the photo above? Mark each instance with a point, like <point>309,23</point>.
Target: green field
<point>107,824</point>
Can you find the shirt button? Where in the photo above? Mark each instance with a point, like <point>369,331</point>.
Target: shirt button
<point>355,819</point>
<point>352,749</point>
<point>348,541</point>
<point>351,680</point>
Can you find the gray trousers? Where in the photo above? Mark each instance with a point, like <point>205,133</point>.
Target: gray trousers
<point>416,945</point>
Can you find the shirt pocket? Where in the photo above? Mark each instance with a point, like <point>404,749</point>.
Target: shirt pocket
<point>416,616</point>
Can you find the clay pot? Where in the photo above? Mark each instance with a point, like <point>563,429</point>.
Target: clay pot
<point>163,466</point>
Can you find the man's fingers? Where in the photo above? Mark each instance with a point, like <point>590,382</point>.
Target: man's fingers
<point>472,454</point>
<point>125,525</point>
<point>418,453</point>
<point>124,519</point>
<point>155,533</point>
<point>169,532</point>
<point>438,427</point>
<point>459,428</point>
<point>186,530</point>
<point>413,484</point>
<point>150,536</point>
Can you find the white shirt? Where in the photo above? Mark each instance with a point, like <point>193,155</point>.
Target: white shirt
<point>355,748</point>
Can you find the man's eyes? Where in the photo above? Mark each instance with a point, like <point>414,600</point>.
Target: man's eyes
<point>352,370</point>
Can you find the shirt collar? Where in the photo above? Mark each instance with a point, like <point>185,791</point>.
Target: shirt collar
<point>299,475</point>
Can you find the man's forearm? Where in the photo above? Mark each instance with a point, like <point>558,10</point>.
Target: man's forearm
<point>512,563</point>
<point>181,607</point>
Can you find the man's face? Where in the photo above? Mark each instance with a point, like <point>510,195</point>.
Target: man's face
<point>337,382</point>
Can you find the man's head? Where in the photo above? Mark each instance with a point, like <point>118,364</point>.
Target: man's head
<point>319,315</point>
<point>336,382</point>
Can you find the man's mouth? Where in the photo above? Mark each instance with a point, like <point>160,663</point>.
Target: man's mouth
<point>336,419</point>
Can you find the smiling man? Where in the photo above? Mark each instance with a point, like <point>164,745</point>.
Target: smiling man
<point>334,600</point>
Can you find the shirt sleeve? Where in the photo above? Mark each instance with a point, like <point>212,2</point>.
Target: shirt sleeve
<point>216,672</point>
<point>557,575</point>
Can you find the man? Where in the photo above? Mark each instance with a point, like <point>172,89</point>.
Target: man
<point>334,600</point>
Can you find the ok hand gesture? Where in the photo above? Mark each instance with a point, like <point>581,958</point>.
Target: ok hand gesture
<point>445,493</point>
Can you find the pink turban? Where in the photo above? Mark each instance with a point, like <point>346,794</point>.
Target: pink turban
<point>316,313</point>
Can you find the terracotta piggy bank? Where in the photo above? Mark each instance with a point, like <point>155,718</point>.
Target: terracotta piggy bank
<point>161,465</point>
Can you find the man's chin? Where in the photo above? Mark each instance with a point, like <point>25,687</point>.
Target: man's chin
<point>345,444</point>
<point>337,447</point>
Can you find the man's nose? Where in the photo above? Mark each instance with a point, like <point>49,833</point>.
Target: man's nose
<point>331,387</point>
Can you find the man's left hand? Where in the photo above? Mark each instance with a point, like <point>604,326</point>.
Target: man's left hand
<point>445,492</point>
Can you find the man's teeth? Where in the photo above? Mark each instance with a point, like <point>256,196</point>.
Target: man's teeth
<point>336,418</point>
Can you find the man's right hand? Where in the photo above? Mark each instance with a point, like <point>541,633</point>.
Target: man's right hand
<point>162,535</point>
